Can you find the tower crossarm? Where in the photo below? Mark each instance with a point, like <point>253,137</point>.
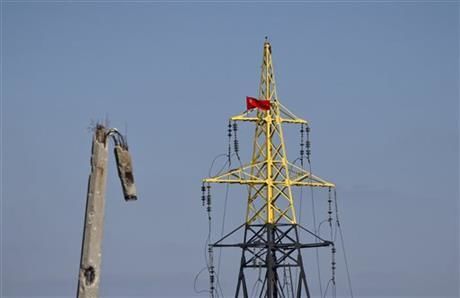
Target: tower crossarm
<point>242,175</point>
<point>301,177</point>
<point>285,116</point>
<point>244,118</point>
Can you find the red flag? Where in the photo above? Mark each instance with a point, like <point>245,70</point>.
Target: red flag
<point>252,103</point>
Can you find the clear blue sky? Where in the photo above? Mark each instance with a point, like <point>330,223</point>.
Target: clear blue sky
<point>378,81</point>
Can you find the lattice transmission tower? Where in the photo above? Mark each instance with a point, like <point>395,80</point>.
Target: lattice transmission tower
<point>271,240</point>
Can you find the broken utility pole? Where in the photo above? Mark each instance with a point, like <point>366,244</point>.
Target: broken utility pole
<point>90,263</point>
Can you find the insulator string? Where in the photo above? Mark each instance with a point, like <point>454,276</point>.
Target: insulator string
<point>333,267</point>
<point>236,144</point>
<point>211,270</point>
<point>204,198</point>
<point>229,134</point>
<point>329,213</point>
<point>203,195</point>
<point>219,258</point>
<point>208,201</point>
<point>302,151</point>
<point>308,144</point>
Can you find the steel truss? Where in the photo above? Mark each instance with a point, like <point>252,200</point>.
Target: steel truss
<point>269,247</point>
<point>271,233</point>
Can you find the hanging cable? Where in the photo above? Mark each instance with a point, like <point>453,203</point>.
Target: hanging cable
<point>210,263</point>
<point>258,282</point>
<point>206,202</point>
<point>287,286</point>
<point>205,267</point>
<point>342,242</point>
<point>285,280</point>
<point>337,221</point>
<point>292,283</point>
<point>331,284</point>
<point>196,279</point>
<point>219,258</point>
<point>308,151</point>
<point>227,164</point>
<point>206,198</point>
<point>214,161</point>
<point>301,159</point>
<point>333,249</point>
<point>210,252</point>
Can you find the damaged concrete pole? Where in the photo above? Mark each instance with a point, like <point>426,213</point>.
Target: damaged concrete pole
<point>90,263</point>
<point>91,253</point>
<point>125,172</point>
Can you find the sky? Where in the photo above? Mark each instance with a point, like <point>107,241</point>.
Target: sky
<point>378,81</point>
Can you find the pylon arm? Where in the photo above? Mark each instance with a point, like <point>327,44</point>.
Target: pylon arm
<point>240,175</point>
<point>245,118</point>
<point>285,111</point>
<point>255,182</point>
<point>301,177</point>
<point>258,228</point>
<point>294,121</point>
<point>313,184</point>
<point>310,181</point>
<point>256,119</point>
<point>280,246</point>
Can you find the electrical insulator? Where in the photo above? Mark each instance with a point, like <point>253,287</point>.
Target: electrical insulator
<point>208,208</point>
<point>333,261</point>
<point>302,151</point>
<point>333,267</point>
<point>229,134</point>
<point>203,195</point>
<point>308,144</point>
<point>211,271</point>
<point>329,211</point>
<point>229,129</point>
<point>236,145</point>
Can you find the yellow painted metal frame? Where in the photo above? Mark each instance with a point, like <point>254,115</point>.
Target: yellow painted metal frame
<point>270,175</point>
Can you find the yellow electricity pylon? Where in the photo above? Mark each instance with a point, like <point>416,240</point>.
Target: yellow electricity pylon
<point>270,175</point>
<point>271,241</point>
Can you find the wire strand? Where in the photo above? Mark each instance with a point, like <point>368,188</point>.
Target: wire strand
<point>342,243</point>
<point>315,229</point>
